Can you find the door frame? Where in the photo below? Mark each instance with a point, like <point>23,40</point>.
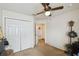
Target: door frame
<point>35,32</point>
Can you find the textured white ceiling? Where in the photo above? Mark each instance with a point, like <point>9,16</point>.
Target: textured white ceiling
<point>31,8</point>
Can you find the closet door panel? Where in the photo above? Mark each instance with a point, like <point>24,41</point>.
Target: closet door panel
<point>26,35</point>
<point>12,34</point>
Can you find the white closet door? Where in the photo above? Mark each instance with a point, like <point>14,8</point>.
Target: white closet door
<point>26,35</point>
<point>13,34</point>
<point>19,34</point>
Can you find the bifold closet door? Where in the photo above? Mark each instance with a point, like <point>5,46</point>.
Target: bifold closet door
<point>13,34</point>
<point>19,34</point>
<point>26,33</point>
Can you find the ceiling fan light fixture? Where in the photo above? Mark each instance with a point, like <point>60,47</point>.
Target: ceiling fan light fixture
<point>47,13</point>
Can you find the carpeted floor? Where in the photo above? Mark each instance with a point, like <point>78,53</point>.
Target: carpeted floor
<point>40,51</point>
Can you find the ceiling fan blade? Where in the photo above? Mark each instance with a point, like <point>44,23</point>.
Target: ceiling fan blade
<point>38,13</point>
<point>57,8</point>
<point>46,6</point>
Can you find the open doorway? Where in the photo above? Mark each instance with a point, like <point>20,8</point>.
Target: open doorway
<point>40,35</point>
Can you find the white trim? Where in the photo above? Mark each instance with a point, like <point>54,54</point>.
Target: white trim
<point>17,19</point>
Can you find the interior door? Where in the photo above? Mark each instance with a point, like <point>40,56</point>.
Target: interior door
<point>26,34</point>
<point>13,34</point>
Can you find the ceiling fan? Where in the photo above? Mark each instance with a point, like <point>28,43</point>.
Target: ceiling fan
<point>47,9</point>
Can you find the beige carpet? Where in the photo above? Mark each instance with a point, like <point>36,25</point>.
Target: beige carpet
<point>41,51</point>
